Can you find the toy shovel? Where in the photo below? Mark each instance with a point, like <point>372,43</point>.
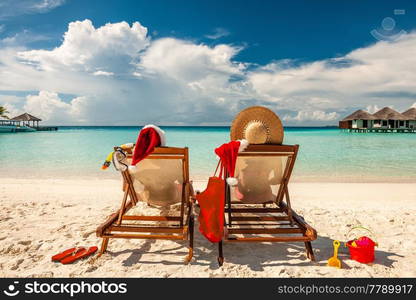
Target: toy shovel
<point>334,261</point>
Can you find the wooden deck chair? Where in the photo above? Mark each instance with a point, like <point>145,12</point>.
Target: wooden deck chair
<point>161,180</point>
<point>259,209</point>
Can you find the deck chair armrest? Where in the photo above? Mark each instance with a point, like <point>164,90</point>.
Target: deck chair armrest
<point>190,209</point>
<point>309,230</point>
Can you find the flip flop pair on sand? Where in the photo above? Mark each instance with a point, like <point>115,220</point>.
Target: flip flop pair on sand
<point>71,255</point>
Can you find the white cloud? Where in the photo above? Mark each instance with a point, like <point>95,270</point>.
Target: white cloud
<point>46,5</point>
<point>52,109</point>
<point>120,76</point>
<point>103,73</point>
<point>372,108</point>
<point>218,33</point>
<point>48,106</point>
<point>375,76</point>
<point>21,39</point>
<point>10,8</point>
<point>186,61</point>
<point>312,116</point>
<point>107,48</point>
<point>12,109</point>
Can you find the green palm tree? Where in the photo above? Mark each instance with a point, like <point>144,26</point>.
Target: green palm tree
<point>3,112</point>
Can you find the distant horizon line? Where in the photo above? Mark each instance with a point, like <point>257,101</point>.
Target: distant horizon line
<point>219,126</point>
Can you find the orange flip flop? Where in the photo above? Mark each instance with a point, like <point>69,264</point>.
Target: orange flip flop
<point>79,254</point>
<point>66,253</point>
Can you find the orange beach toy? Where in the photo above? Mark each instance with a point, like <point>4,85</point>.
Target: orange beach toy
<point>334,261</point>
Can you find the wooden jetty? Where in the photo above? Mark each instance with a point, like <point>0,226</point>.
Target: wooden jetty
<point>24,123</point>
<point>46,128</point>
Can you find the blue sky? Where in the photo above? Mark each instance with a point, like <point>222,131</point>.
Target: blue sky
<point>205,58</point>
<point>270,30</point>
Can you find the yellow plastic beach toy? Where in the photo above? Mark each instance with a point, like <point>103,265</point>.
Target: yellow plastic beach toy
<point>334,261</point>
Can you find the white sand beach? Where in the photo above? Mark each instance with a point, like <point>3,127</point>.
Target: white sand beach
<point>41,217</point>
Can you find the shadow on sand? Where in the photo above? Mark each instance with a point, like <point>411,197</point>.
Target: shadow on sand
<point>256,256</point>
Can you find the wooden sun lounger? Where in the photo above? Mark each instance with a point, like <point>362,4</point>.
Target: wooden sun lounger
<point>274,221</point>
<point>180,226</point>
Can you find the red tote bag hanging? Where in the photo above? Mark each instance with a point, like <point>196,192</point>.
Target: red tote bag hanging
<point>211,203</point>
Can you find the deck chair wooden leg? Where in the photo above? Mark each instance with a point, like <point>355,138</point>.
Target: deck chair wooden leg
<point>289,206</point>
<point>104,245</point>
<point>220,254</point>
<point>191,240</point>
<point>309,251</point>
<point>122,207</point>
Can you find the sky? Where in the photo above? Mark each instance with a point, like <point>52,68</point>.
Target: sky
<point>183,62</point>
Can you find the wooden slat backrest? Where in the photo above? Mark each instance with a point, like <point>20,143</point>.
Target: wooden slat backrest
<point>289,151</point>
<point>170,153</point>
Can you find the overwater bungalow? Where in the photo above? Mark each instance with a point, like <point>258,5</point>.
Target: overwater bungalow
<point>410,115</point>
<point>388,118</point>
<point>384,120</point>
<point>356,120</point>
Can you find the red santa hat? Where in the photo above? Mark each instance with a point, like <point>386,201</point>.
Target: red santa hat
<point>149,137</point>
<point>228,156</point>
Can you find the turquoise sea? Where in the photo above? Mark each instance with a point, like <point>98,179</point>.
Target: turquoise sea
<point>326,154</point>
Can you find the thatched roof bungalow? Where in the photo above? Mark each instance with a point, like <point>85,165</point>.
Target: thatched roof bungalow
<point>410,115</point>
<point>26,119</point>
<point>389,118</point>
<point>358,119</point>
<point>386,119</point>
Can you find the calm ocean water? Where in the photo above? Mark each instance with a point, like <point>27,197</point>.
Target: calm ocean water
<point>326,154</point>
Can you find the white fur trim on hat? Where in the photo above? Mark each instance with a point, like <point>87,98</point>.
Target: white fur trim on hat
<point>160,132</point>
<point>243,145</point>
<point>132,169</point>
<point>232,181</point>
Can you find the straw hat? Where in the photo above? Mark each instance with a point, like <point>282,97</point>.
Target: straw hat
<point>258,125</point>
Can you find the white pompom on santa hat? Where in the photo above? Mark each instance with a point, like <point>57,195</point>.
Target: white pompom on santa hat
<point>150,137</point>
<point>228,155</point>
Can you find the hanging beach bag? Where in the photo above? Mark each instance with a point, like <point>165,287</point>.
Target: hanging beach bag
<point>211,203</point>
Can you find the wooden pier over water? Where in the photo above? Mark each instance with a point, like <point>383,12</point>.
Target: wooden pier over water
<point>24,123</point>
<point>46,128</point>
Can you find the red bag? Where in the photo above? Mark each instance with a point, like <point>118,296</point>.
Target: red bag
<point>211,203</point>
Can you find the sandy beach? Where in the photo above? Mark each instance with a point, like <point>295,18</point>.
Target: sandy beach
<point>39,218</point>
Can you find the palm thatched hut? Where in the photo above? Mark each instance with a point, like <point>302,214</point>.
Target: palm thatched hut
<point>410,115</point>
<point>385,120</point>
<point>389,118</point>
<point>358,119</point>
<point>26,119</point>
